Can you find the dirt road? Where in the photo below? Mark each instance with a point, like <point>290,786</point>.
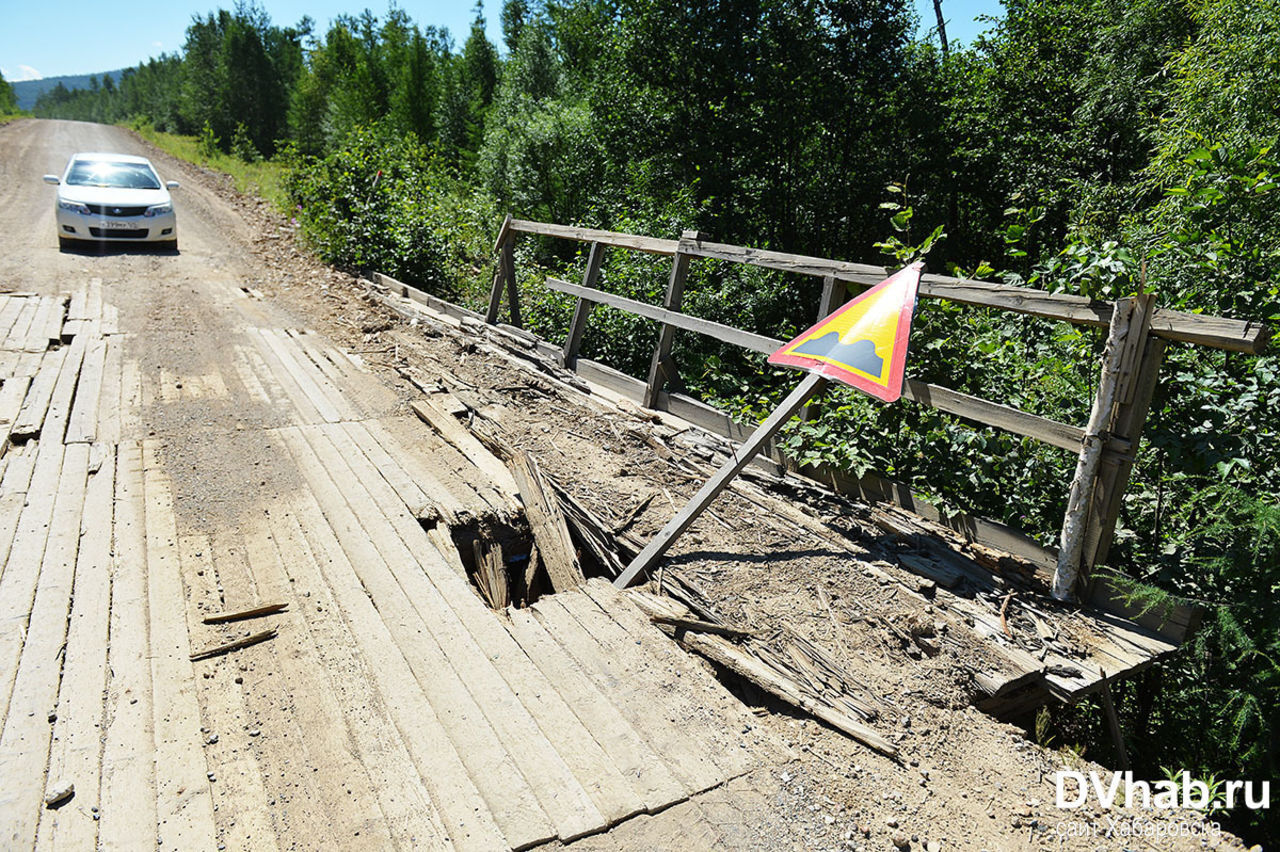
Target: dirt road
<point>201,451</point>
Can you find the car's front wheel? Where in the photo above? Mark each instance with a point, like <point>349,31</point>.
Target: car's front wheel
<point>66,244</point>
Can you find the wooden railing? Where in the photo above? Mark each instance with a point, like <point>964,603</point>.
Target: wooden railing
<point>1142,346</point>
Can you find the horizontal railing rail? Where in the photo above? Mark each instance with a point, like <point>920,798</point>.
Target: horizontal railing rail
<point>1139,355</point>
<point>1010,419</point>
<point>1216,332</point>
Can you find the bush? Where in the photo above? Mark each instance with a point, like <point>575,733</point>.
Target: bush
<point>388,203</point>
<point>242,147</point>
<point>207,143</point>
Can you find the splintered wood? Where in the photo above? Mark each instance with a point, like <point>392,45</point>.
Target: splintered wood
<point>548,524</point>
<point>795,678</point>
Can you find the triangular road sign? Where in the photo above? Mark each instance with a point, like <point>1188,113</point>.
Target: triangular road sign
<point>864,344</point>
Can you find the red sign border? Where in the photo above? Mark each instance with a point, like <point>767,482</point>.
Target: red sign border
<point>897,364</point>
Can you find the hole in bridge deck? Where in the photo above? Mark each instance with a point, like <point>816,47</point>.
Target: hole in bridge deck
<point>503,563</point>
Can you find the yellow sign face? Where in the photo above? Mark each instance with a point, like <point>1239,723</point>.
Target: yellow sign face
<point>864,344</point>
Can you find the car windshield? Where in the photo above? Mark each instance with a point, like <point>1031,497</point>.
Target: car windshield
<point>112,174</point>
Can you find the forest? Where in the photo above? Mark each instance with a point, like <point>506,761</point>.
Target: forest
<point>1087,146</point>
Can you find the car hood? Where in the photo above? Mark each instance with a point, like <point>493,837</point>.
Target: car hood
<point>114,195</point>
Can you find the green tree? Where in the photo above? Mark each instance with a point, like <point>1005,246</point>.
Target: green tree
<point>238,68</point>
<point>8,102</point>
<point>515,14</point>
<point>469,83</point>
<point>541,153</point>
<point>479,62</point>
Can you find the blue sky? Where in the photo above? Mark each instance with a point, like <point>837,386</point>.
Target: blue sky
<point>44,38</point>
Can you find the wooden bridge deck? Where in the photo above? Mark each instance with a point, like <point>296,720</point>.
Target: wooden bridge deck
<point>392,707</point>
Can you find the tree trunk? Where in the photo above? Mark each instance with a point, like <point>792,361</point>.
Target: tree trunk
<point>942,25</point>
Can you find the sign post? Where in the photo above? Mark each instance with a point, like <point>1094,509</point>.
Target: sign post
<point>864,344</point>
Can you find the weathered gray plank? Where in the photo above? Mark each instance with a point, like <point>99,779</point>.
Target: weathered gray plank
<point>559,794</point>
<point>635,759</point>
<point>78,731</point>
<point>128,806</point>
<point>184,800</point>
<point>548,525</point>
<point>24,746</point>
<point>663,367</point>
<point>36,403</point>
<point>651,245</point>
<point>514,806</point>
<point>1062,435</point>
<point>719,331</point>
<point>582,309</point>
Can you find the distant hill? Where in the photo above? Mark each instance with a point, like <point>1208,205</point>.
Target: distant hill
<point>27,91</point>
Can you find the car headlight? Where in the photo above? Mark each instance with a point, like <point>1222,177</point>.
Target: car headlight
<point>158,210</point>
<point>75,206</point>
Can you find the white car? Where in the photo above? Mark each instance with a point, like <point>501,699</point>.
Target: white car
<point>113,198</point>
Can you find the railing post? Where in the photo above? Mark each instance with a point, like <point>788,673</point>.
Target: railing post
<point>1139,377</point>
<point>833,296</point>
<point>582,310</point>
<point>1095,435</point>
<point>506,266</point>
<point>663,367</point>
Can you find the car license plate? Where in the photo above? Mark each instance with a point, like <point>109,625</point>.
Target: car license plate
<point>116,224</point>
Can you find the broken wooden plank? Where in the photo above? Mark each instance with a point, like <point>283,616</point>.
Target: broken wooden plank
<point>52,331</point>
<point>228,647</point>
<point>610,549</point>
<point>700,626</point>
<point>405,715</point>
<point>76,310</point>
<point>468,444</point>
<point>367,542</point>
<point>36,403</point>
<point>82,426</point>
<point>547,523</point>
<point>483,649</point>
<point>12,395</point>
<point>491,573</point>
<point>10,308</point>
<point>256,612</point>
<point>948,578</point>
